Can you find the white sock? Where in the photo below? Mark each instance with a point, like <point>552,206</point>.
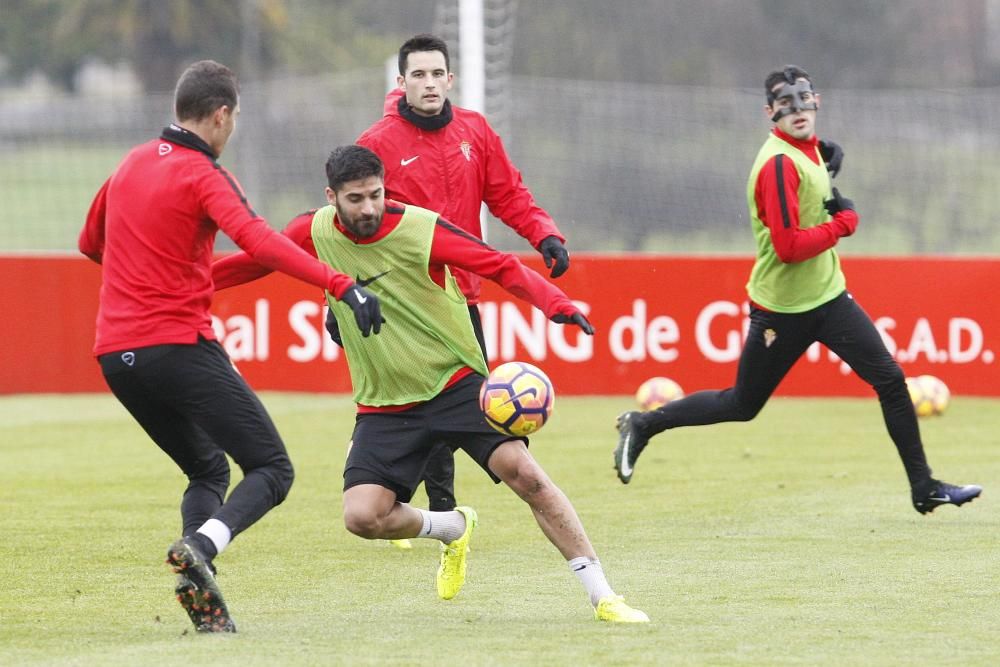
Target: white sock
<point>218,532</point>
<point>591,575</point>
<point>444,526</point>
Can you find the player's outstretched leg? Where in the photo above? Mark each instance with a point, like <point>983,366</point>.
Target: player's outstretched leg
<point>451,573</point>
<point>631,442</point>
<point>557,518</point>
<point>937,493</point>
<point>197,590</point>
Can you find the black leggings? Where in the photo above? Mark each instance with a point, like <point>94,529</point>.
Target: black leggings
<point>775,341</point>
<point>197,408</point>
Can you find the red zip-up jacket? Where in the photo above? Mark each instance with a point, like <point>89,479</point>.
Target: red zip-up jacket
<point>152,227</point>
<point>454,170</point>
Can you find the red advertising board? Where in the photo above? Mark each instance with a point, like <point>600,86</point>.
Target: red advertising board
<point>681,317</point>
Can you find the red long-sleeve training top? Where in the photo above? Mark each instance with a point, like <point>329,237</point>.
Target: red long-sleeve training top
<point>152,226</point>
<point>450,246</point>
<point>791,242</point>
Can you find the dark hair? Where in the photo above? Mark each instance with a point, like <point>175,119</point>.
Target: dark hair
<point>422,42</point>
<point>789,74</point>
<point>352,163</point>
<point>204,87</point>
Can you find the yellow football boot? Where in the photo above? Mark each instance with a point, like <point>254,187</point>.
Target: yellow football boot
<point>614,610</point>
<point>451,573</point>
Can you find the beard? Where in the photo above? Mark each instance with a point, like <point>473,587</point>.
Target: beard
<point>362,227</point>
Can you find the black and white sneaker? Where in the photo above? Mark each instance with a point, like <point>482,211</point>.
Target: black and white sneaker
<point>197,590</point>
<point>631,442</point>
<point>942,493</point>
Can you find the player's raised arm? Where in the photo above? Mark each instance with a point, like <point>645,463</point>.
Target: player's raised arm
<point>454,247</point>
<point>240,267</point>
<point>224,203</point>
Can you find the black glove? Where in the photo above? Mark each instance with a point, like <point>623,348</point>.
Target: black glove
<point>367,312</point>
<point>576,318</point>
<point>553,251</point>
<point>838,203</point>
<point>833,156</point>
<point>333,327</point>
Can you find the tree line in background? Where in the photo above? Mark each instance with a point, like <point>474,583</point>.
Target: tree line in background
<point>848,43</point>
<point>160,37</point>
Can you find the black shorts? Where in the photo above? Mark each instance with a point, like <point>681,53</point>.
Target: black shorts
<point>391,448</point>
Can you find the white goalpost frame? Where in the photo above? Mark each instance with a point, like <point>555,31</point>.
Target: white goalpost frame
<point>472,51</point>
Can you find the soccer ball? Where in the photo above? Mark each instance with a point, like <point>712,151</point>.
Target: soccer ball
<point>657,392</point>
<point>516,398</point>
<point>930,395</point>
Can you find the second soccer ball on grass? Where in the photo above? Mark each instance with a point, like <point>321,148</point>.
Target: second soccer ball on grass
<point>657,392</point>
<point>517,398</point>
<point>929,394</point>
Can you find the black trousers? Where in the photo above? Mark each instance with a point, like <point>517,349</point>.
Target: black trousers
<point>775,341</point>
<point>439,475</point>
<point>197,408</point>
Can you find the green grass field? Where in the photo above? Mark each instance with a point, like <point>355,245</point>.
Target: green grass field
<point>46,191</point>
<point>788,540</point>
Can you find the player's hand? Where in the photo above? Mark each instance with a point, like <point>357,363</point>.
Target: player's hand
<point>838,203</point>
<point>576,318</point>
<point>554,252</point>
<point>367,311</point>
<point>833,156</point>
<point>333,328</point>
<point>846,224</point>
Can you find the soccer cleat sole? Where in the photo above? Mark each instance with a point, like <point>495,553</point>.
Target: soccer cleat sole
<point>185,593</point>
<point>197,593</point>
<point>204,615</point>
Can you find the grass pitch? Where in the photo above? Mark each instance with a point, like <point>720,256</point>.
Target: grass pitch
<point>787,540</point>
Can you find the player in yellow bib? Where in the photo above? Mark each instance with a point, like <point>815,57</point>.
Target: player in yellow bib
<point>798,296</point>
<point>417,382</point>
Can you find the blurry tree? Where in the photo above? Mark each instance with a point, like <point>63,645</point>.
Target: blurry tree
<point>848,43</point>
<point>856,30</point>
<point>157,36</point>
<point>29,43</point>
<point>324,36</point>
<point>647,41</point>
<point>160,37</point>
